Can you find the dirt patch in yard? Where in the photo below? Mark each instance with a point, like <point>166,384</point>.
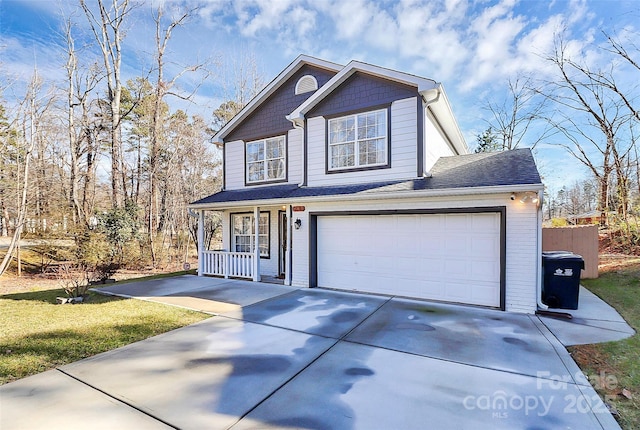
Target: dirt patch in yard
<point>29,282</point>
<point>590,357</point>
<point>617,262</point>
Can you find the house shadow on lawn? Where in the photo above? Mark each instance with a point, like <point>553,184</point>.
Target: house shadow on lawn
<point>32,353</point>
<point>49,296</point>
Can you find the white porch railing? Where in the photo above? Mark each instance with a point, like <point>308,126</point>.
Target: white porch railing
<point>228,264</point>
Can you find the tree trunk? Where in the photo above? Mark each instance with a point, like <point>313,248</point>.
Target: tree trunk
<point>74,150</point>
<point>4,219</point>
<point>109,35</point>
<point>22,208</point>
<point>88,190</point>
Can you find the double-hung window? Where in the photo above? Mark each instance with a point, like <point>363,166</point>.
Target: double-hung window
<point>243,229</point>
<point>266,160</point>
<point>358,140</point>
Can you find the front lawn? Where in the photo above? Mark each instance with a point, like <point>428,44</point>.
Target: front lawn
<point>38,335</point>
<point>618,362</point>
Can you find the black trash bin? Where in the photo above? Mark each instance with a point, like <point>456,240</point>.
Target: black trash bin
<point>561,279</point>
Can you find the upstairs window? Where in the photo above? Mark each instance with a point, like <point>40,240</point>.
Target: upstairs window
<point>266,160</point>
<point>358,141</point>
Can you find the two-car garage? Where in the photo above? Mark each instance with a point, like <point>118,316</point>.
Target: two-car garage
<point>454,255</point>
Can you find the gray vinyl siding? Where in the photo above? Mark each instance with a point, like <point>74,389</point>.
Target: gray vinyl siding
<point>270,117</point>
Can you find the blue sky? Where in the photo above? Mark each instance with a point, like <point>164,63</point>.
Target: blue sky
<point>472,47</point>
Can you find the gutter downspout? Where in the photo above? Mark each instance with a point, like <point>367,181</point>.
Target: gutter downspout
<point>427,101</point>
<point>300,127</point>
<point>289,257</point>
<point>541,306</point>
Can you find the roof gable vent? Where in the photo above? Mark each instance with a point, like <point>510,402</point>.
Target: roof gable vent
<point>306,84</point>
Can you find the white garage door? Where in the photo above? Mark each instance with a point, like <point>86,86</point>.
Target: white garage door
<point>448,257</point>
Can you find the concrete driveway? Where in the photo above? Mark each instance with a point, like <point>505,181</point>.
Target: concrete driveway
<point>277,357</point>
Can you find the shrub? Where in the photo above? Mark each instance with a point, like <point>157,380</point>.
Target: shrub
<point>120,226</point>
<point>74,280</point>
<point>559,222</point>
<point>92,248</point>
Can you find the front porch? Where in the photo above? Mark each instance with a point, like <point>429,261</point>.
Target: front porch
<point>229,264</point>
<point>255,244</point>
<point>234,265</point>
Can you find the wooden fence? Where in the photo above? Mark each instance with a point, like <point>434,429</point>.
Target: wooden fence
<point>582,240</point>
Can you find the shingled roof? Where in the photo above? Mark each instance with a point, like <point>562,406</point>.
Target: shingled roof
<point>492,169</point>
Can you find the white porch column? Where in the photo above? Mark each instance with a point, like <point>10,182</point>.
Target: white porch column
<point>288,274</point>
<point>256,251</point>
<point>201,243</point>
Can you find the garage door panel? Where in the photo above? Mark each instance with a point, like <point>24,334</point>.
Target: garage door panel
<point>458,291</point>
<point>484,245</point>
<point>406,267</point>
<point>448,257</point>
<point>434,223</point>
<point>432,267</point>
<point>456,222</point>
<point>456,269</point>
<point>456,245</point>
<point>482,294</point>
<point>331,259</point>
<point>405,245</point>
<point>485,271</point>
<point>487,222</point>
<point>433,288</point>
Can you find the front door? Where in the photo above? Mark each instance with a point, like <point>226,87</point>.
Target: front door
<point>282,227</point>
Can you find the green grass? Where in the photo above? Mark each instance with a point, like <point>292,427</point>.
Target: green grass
<point>38,335</point>
<point>156,276</point>
<point>621,289</point>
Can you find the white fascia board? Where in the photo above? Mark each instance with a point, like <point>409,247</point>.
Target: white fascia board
<point>446,192</point>
<point>271,88</point>
<point>422,84</point>
<point>444,114</point>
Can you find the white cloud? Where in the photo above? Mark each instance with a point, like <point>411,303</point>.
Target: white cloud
<point>578,11</point>
<point>428,34</point>
<point>269,15</point>
<point>350,18</point>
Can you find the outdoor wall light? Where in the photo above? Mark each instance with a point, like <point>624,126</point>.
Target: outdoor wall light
<point>529,197</point>
<point>297,223</point>
<point>512,196</point>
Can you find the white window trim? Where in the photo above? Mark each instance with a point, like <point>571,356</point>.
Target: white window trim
<point>265,160</point>
<point>357,141</point>
<point>263,238</point>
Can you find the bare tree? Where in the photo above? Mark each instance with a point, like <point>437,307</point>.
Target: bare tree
<point>513,118</point>
<point>8,138</point>
<point>32,110</point>
<point>241,81</point>
<point>108,30</point>
<point>629,98</point>
<point>79,87</point>
<point>163,87</point>
<point>582,106</point>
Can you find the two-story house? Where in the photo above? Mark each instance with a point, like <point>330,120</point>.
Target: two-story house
<point>358,178</point>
